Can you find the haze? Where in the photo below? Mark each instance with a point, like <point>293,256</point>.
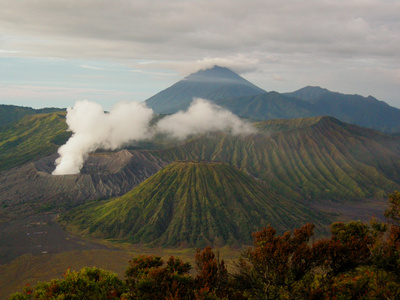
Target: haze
<point>53,53</point>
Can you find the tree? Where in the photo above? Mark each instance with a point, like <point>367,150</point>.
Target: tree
<point>386,251</point>
<point>348,248</point>
<point>273,266</point>
<point>393,212</point>
<point>148,278</point>
<point>88,283</point>
<point>212,277</point>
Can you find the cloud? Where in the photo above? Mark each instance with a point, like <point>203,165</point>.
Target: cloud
<point>94,129</point>
<point>108,29</point>
<point>91,67</point>
<point>304,37</point>
<point>277,77</point>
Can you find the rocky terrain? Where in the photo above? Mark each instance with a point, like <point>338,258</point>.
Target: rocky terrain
<point>31,187</point>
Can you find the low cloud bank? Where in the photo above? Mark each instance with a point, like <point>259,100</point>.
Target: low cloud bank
<point>127,122</point>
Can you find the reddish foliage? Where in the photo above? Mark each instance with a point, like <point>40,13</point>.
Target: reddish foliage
<point>212,274</point>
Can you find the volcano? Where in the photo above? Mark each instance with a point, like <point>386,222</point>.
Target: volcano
<point>211,84</point>
<point>190,204</point>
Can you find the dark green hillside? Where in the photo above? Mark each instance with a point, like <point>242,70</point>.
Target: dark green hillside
<point>364,111</point>
<point>266,106</point>
<point>313,102</point>
<point>308,93</point>
<point>316,158</point>
<point>190,204</point>
<point>32,137</point>
<point>212,84</point>
<point>13,113</point>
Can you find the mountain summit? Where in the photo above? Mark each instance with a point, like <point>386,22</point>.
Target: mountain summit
<point>212,84</point>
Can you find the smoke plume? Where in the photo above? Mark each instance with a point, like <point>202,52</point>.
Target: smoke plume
<point>202,116</point>
<point>93,129</point>
<point>126,122</point>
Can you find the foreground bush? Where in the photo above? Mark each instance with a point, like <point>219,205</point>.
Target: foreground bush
<point>88,283</point>
<point>358,261</point>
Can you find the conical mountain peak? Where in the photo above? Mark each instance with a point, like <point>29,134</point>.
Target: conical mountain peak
<point>212,84</point>
<point>217,73</point>
<point>191,204</point>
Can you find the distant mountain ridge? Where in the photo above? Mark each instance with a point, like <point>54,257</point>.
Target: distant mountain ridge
<point>308,93</point>
<point>313,102</point>
<point>229,90</point>
<point>212,84</point>
<point>13,113</point>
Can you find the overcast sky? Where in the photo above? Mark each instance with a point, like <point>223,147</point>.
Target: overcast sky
<point>53,53</point>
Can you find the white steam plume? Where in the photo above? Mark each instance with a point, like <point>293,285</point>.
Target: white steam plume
<point>126,122</point>
<point>202,116</point>
<point>93,129</point>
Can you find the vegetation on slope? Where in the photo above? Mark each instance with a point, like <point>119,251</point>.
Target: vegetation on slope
<point>266,106</point>
<point>190,204</point>
<point>13,113</point>
<point>316,158</point>
<point>31,138</point>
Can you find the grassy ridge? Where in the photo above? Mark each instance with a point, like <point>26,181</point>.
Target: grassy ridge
<point>31,138</point>
<point>13,113</point>
<point>314,158</point>
<point>190,204</point>
<point>317,158</point>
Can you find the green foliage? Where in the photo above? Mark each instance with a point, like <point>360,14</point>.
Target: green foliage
<point>88,283</point>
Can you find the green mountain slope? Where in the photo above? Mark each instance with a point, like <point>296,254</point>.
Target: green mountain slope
<point>190,204</point>
<point>31,138</point>
<point>315,158</point>
<point>212,84</point>
<point>13,113</point>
